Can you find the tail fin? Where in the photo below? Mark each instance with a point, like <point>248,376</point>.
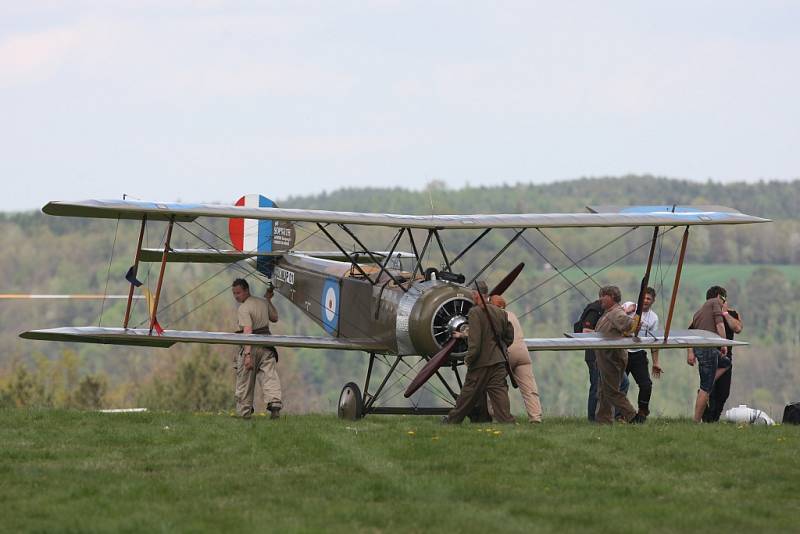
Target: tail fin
<point>260,235</point>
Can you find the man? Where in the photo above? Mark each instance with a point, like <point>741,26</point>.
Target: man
<point>519,360</point>
<point>254,362</point>
<point>611,363</point>
<point>587,323</point>
<point>722,386</point>
<point>486,364</point>
<point>637,359</point>
<point>712,362</point>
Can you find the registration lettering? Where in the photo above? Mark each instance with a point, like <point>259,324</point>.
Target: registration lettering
<point>284,276</point>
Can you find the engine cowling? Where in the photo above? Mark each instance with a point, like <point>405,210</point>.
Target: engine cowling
<point>427,316</point>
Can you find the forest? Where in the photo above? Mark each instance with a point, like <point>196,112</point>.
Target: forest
<point>758,264</point>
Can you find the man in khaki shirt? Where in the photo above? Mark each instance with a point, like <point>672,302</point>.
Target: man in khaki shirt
<point>255,362</point>
<point>611,363</point>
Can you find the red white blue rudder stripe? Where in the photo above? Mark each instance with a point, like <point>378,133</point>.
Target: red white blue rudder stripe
<point>252,235</point>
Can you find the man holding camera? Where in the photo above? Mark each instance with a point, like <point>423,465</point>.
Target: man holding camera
<point>256,362</point>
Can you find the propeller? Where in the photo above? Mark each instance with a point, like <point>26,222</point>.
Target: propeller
<point>504,284</point>
<point>441,357</point>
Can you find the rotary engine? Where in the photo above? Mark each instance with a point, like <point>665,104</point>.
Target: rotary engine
<point>428,315</point>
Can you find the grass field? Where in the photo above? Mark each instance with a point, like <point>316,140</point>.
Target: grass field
<point>73,471</point>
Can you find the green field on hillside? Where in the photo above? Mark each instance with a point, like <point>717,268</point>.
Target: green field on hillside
<point>78,471</point>
<point>694,274</point>
<point>705,276</point>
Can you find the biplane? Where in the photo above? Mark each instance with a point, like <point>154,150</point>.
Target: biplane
<point>385,303</point>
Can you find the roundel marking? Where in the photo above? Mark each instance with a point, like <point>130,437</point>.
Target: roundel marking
<point>251,234</point>
<point>330,305</point>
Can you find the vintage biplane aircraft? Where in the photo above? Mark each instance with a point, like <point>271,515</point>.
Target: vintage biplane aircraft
<point>384,303</point>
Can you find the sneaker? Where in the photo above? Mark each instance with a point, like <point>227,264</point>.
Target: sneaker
<point>274,413</point>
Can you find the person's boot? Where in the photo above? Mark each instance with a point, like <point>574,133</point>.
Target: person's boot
<point>638,419</point>
<point>274,411</point>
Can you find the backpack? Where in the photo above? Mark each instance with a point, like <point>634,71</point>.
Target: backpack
<point>595,306</point>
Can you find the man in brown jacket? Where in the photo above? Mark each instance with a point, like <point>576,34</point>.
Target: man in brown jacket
<point>486,365</point>
<point>611,363</point>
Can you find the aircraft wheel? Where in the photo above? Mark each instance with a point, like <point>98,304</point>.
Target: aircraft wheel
<point>351,404</point>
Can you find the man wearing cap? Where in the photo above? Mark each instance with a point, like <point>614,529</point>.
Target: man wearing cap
<point>255,362</point>
<point>612,362</point>
<point>486,363</point>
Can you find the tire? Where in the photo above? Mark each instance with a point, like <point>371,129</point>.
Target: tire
<point>351,403</point>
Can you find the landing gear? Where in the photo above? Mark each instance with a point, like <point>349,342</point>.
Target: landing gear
<point>351,404</point>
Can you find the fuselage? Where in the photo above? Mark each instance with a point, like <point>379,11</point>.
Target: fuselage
<point>406,316</point>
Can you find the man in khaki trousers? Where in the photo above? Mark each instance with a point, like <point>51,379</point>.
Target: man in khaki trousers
<point>611,363</point>
<point>255,362</point>
<point>519,360</point>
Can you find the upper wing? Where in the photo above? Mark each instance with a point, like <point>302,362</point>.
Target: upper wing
<point>202,255</point>
<point>678,339</point>
<point>141,337</point>
<point>641,216</point>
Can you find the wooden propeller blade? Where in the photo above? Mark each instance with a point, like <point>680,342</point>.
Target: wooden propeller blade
<point>430,368</point>
<point>507,281</point>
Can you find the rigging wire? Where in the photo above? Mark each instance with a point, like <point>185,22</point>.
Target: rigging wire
<point>550,278</point>
<point>593,274</point>
<point>405,374</point>
<point>669,268</point>
<point>567,256</point>
<point>108,274</point>
<point>565,277</point>
<point>249,273</point>
<point>241,269</point>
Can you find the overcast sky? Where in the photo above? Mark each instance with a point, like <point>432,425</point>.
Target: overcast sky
<point>207,100</point>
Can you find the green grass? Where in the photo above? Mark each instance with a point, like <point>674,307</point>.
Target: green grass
<point>72,471</point>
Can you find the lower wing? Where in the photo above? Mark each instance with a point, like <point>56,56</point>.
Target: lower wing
<point>141,337</point>
<point>678,339</point>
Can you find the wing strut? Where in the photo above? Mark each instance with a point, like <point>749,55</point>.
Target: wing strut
<point>645,283</point>
<point>421,254</point>
<point>441,249</point>
<point>135,270</point>
<point>500,253</point>
<point>161,274</point>
<point>353,262</point>
<point>474,242</point>
<point>374,259</point>
<point>677,282</point>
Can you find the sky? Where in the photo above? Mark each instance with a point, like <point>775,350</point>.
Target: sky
<point>208,100</point>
